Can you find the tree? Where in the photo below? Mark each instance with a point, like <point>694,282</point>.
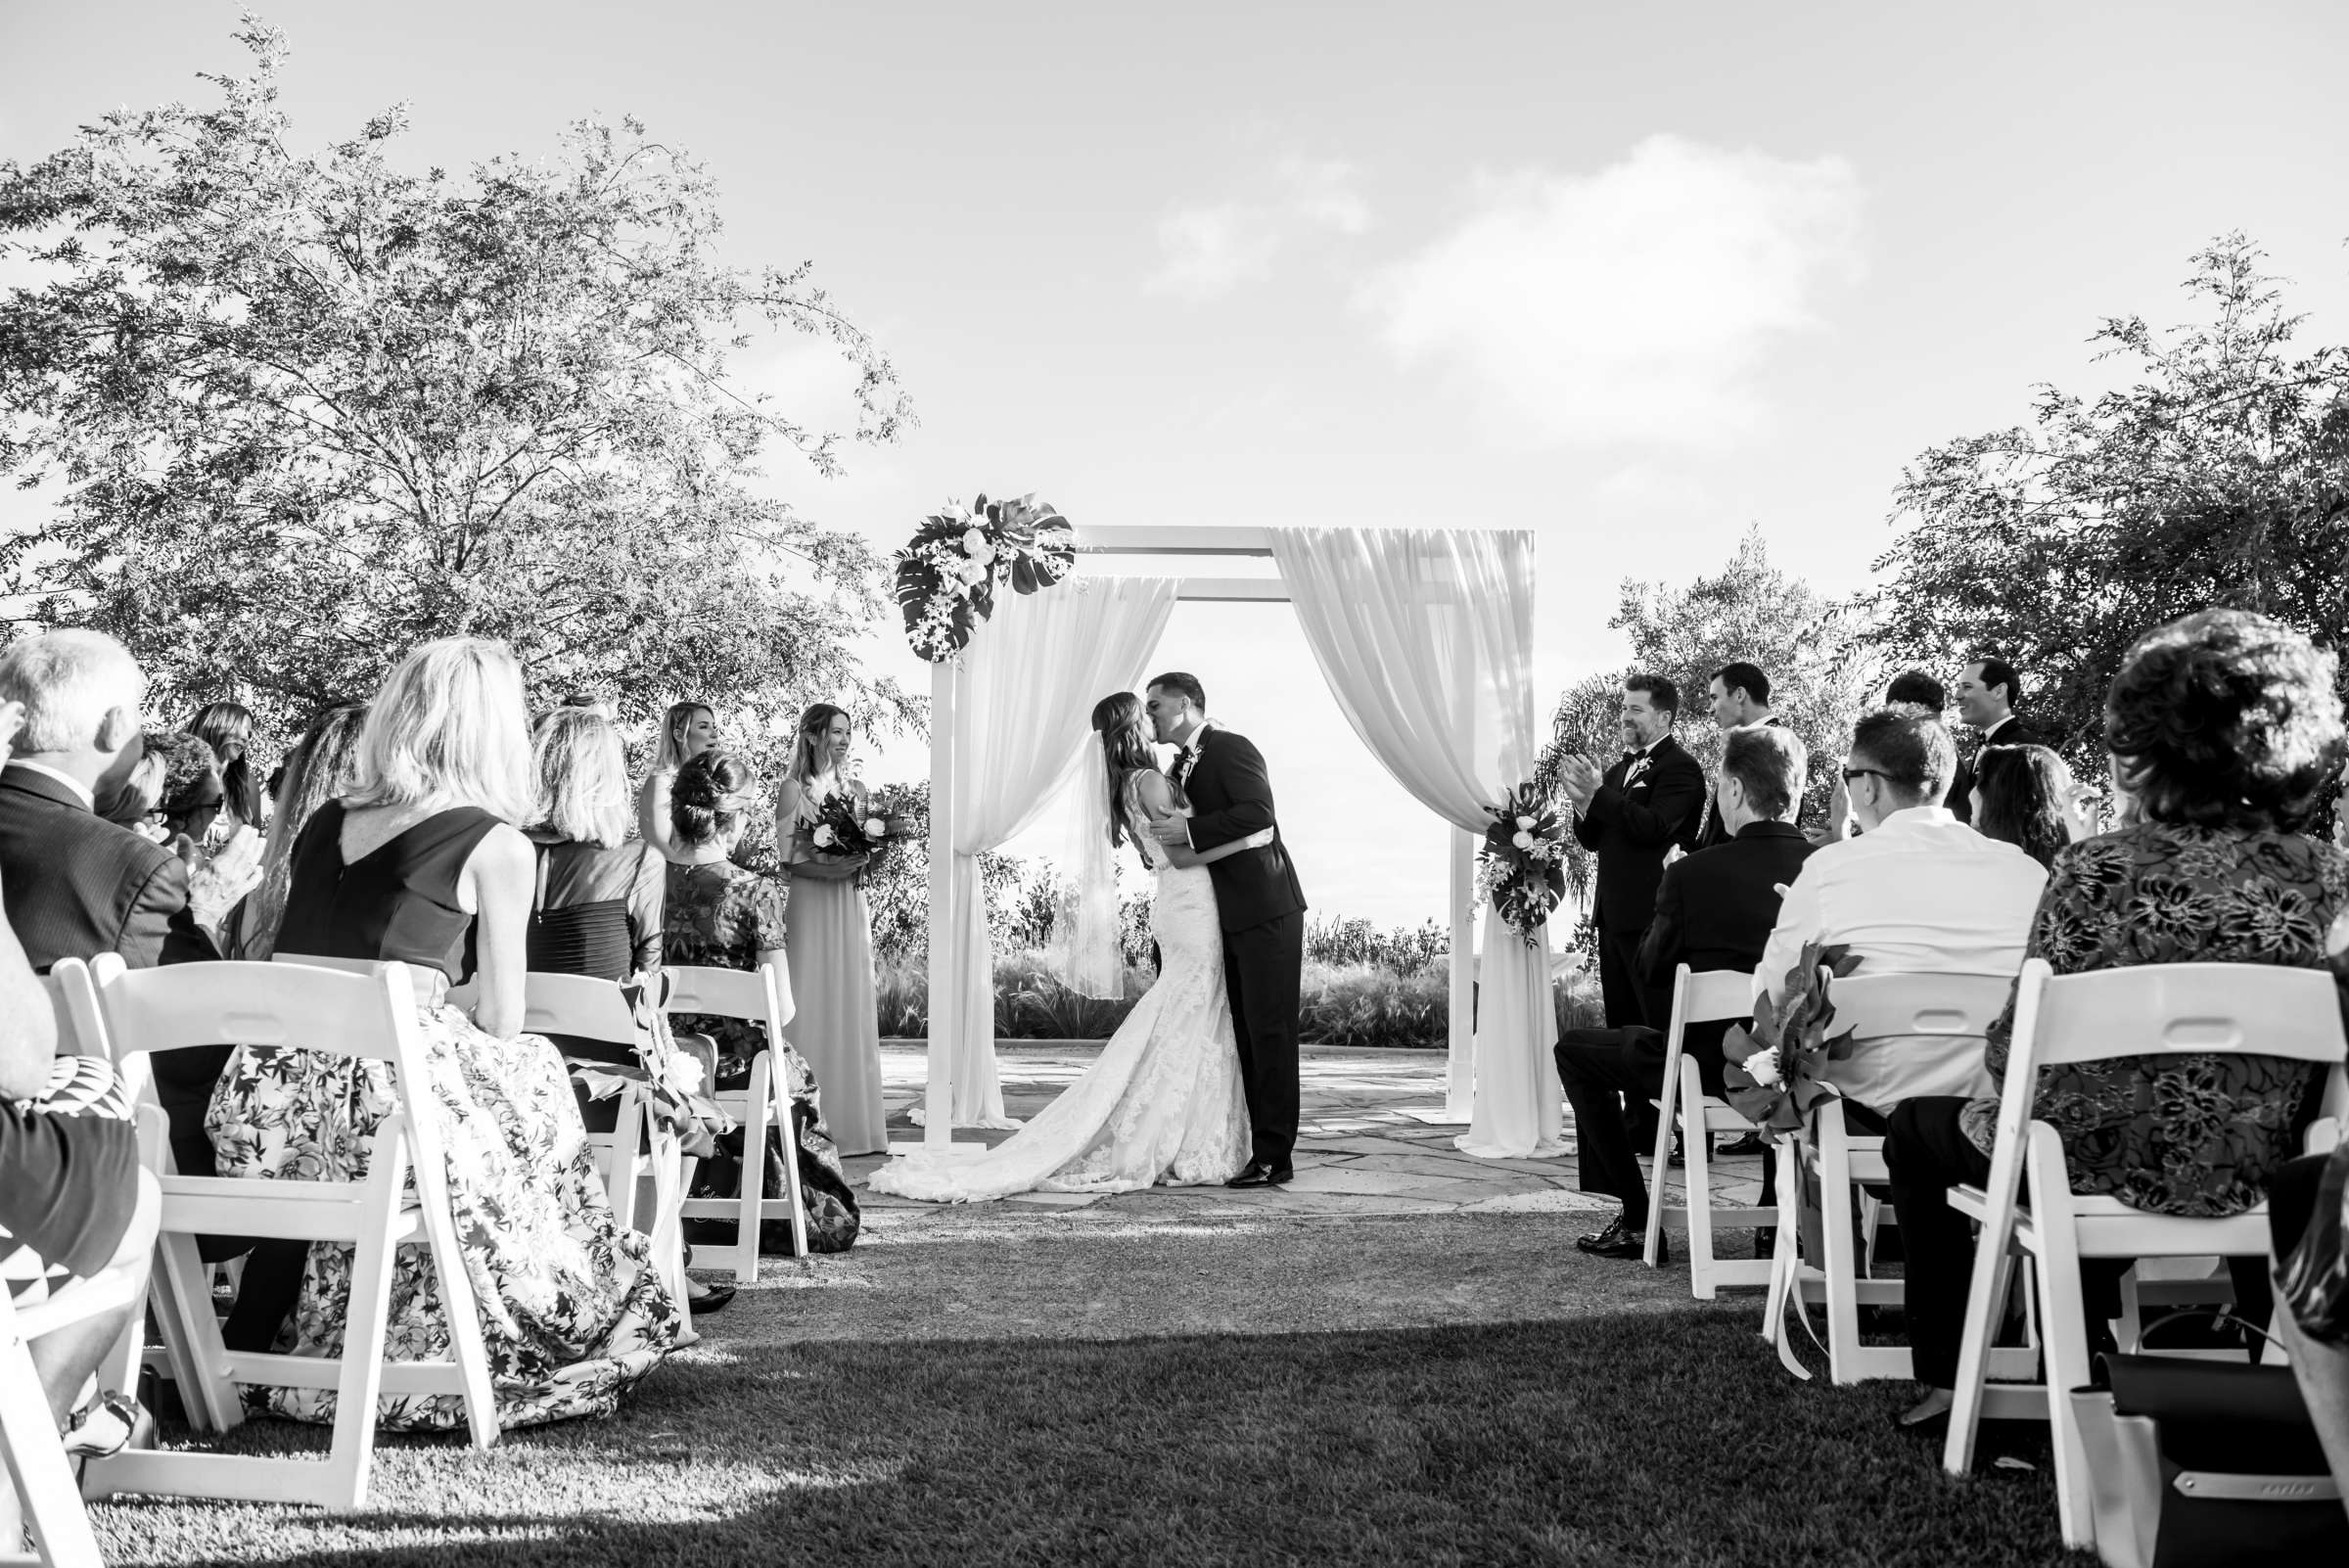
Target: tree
<point>2219,475</point>
<point>1812,648</point>
<point>309,411</point>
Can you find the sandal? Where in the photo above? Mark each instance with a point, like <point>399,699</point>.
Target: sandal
<point>712,1297</point>
<point>105,1426</point>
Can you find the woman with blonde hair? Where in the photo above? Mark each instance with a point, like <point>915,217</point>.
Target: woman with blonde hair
<point>425,862</point>
<point>687,730</point>
<point>838,1027</point>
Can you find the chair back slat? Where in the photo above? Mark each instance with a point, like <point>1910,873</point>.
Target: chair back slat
<point>73,997</point>
<point>740,993</point>
<point>2190,1010</point>
<point>1875,1006</point>
<point>330,1011</point>
<point>1709,996</point>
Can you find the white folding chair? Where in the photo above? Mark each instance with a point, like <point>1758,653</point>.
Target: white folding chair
<point>2154,1010</point>
<point>45,1497</point>
<point>1699,998</point>
<point>587,1008</point>
<point>760,995</point>
<point>330,1011</point>
<point>1958,1008</point>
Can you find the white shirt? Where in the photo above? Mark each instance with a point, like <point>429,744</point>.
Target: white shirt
<point>1921,893</point>
<point>82,791</point>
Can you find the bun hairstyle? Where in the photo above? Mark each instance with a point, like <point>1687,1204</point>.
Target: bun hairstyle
<point>705,803</point>
<point>1124,749</point>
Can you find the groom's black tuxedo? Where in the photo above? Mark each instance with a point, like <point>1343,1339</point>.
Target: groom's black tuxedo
<point>1262,909</point>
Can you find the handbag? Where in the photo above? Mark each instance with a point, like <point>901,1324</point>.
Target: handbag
<point>2206,1464</point>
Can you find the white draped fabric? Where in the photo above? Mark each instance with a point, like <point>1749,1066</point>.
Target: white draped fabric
<point>1022,716</point>
<point>1425,636</point>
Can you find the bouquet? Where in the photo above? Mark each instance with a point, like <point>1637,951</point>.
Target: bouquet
<point>949,572</point>
<point>1775,1071</point>
<point>1521,866</point>
<point>843,827</point>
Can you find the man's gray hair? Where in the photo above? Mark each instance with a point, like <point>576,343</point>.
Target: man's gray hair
<point>69,682</point>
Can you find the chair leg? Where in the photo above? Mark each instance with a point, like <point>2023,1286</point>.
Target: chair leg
<point>44,1498</point>
<point>1982,1295</point>
<point>2066,1332</point>
<point>750,1207</point>
<point>1697,1140</point>
<point>1660,1168</point>
<point>351,1458</point>
<point>779,1107</point>
<point>181,1290</point>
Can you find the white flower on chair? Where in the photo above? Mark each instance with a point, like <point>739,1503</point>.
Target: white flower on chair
<point>1763,1068</point>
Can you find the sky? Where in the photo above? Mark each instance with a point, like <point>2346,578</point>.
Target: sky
<point>1636,278</point>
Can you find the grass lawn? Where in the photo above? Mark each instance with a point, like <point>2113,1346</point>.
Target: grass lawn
<point>1454,1388</point>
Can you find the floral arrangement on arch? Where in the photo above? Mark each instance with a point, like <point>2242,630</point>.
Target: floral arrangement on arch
<point>1521,866</point>
<point>949,572</point>
<point>1775,1072</point>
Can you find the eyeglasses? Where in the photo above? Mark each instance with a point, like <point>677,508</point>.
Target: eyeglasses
<point>1851,774</point>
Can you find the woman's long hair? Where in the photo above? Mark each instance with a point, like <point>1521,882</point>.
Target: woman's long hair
<point>811,750</point>
<point>672,733</point>
<point>227,728</point>
<point>582,778</point>
<point>2022,790</point>
<point>449,726</point>
<point>1125,751</point>
<point>319,769</point>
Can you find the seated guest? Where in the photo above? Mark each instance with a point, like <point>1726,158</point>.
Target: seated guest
<point>76,885</point>
<point>422,863</point>
<point>2225,726</point>
<point>1713,911</point>
<point>2020,797</point>
<point>722,915</point>
<point>74,1201</point>
<point>318,770</point>
<point>1987,694</point>
<point>1911,686</point>
<point>1918,892</point>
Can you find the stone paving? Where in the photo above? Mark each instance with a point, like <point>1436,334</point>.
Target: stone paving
<point>1365,1148</point>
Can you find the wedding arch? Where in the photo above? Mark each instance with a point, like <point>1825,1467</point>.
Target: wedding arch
<point>1424,636</point>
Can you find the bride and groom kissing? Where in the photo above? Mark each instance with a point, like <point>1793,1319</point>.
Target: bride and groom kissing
<point>1199,1085</point>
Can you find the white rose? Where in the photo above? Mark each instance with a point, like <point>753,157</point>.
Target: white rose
<point>875,828</point>
<point>1525,821</point>
<point>684,1073</point>
<point>972,574</point>
<point>974,545</point>
<point>824,837</point>
<point>1763,1068</point>
<point>1523,841</point>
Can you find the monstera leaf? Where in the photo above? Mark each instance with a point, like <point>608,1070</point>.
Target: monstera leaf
<point>1791,1028</point>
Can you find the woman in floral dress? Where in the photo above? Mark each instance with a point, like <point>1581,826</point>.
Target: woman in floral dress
<point>422,863</point>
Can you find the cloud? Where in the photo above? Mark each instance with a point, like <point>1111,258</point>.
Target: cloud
<point>1646,487</point>
<point>1209,249</point>
<point>1631,304</point>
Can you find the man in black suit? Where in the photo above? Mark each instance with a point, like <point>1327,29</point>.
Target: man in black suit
<point>1259,903</point>
<point>1713,911</point>
<point>1987,694</point>
<point>1633,816</point>
<point>1740,700</point>
<point>75,885</point>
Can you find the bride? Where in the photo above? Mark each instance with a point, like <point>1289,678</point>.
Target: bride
<point>1163,1104</point>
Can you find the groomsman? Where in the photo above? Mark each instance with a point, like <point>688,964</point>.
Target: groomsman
<point>1986,695</point>
<point>1740,694</point>
<point>1632,816</point>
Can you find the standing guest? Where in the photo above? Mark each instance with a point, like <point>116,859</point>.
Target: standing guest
<point>686,731</point>
<point>2225,726</point>
<point>1911,686</point>
<point>1713,911</point>
<point>189,816</point>
<point>1633,816</point>
<point>422,863</point>
<point>1921,893</point>
<point>1740,700</point>
<point>2020,796</point>
<point>1986,695</point>
<point>722,915</point>
<point>74,884</point>
<point>227,728</point>
<point>838,1027</point>
<point>319,769</point>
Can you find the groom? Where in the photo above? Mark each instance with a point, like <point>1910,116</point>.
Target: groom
<point>1261,907</point>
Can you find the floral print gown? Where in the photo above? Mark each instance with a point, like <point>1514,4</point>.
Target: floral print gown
<point>2198,1136</point>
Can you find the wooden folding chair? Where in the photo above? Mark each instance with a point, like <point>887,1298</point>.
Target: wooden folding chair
<point>1958,1008</point>
<point>760,995</point>
<point>2152,1010</point>
<point>331,1012</point>
<point>46,1500</point>
<point>1699,998</point>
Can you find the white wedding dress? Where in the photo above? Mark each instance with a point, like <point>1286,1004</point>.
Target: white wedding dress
<point>1163,1104</point>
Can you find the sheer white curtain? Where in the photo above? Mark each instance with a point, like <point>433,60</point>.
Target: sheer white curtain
<point>1425,636</point>
<point>1022,716</point>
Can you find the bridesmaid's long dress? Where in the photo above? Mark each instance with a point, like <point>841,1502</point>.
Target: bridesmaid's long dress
<point>838,1026</point>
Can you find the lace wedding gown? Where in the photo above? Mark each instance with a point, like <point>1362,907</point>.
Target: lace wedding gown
<point>1162,1105</point>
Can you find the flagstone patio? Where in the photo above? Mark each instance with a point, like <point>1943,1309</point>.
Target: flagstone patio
<point>1364,1148</point>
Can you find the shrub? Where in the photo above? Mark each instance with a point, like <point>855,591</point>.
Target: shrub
<point>1362,1005</point>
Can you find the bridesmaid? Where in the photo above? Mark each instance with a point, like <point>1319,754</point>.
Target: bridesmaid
<point>688,730</point>
<point>837,1028</point>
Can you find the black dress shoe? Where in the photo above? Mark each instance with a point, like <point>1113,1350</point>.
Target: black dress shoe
<point>1750,1143</point>
<point>1622,1240</point>
<point>1252,1174</point>
<point>1678,1157</point>
<point>712,1298</point>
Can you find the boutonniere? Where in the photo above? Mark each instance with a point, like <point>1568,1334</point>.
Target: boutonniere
<point>1631,774</point>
